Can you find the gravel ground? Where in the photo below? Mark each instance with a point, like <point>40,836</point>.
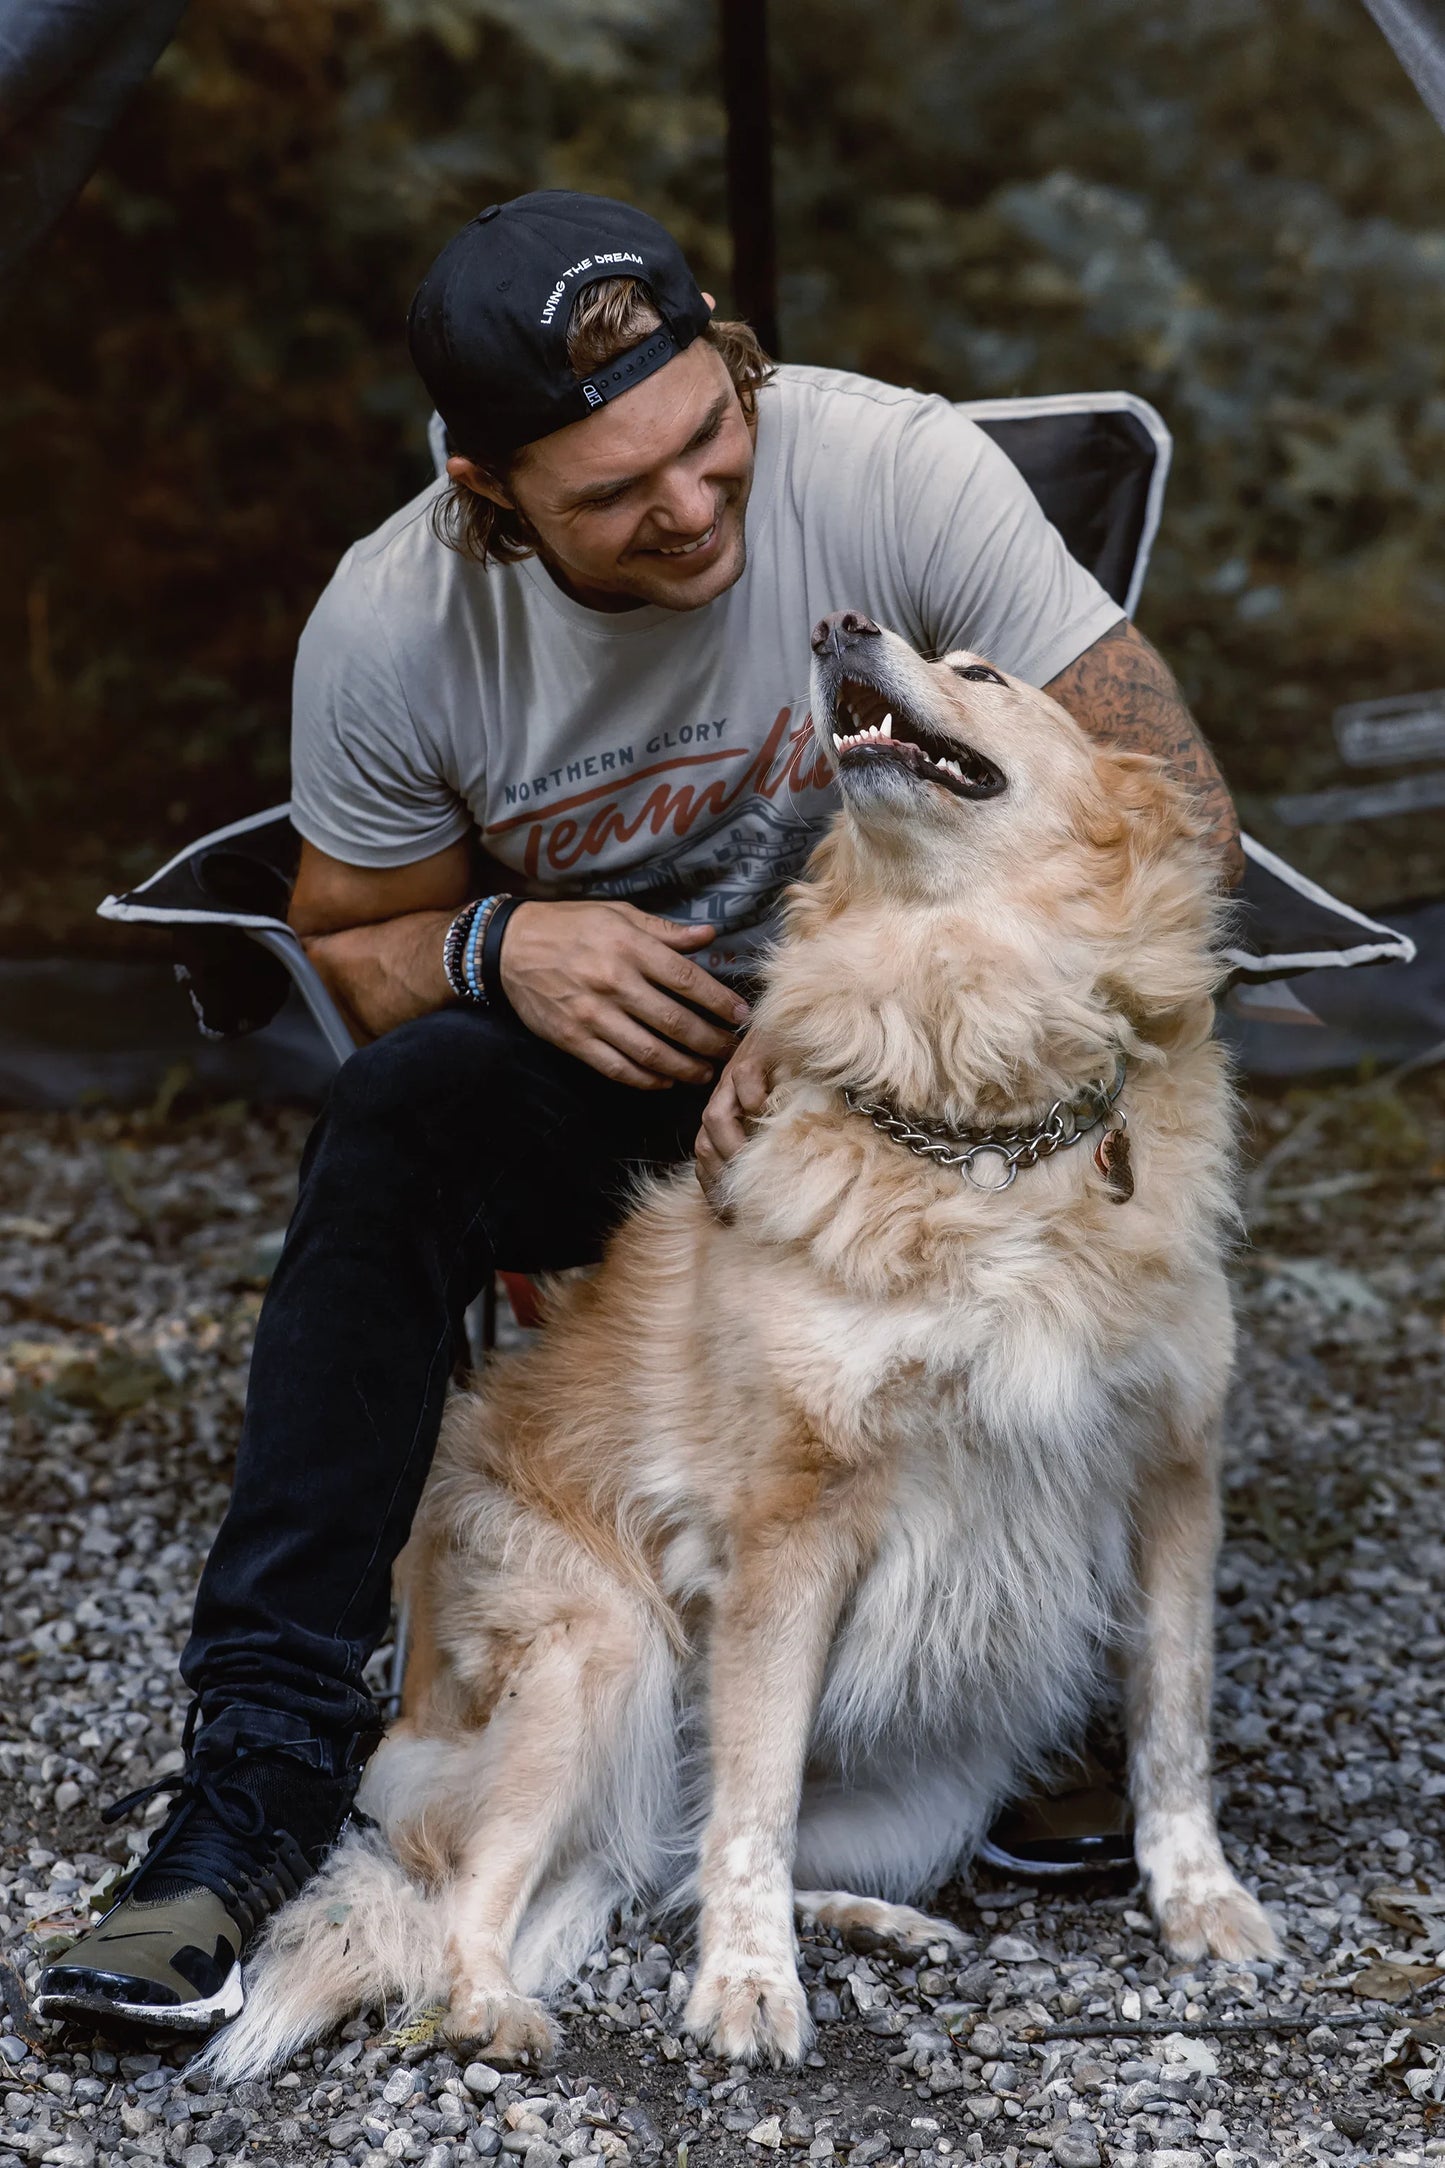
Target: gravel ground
<point>133,1252</point>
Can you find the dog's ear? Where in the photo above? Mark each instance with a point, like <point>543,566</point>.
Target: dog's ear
<point>1140,814</point>
<point>1155,890</point>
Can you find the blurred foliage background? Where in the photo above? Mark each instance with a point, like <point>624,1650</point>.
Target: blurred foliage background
<point>1235,207</point>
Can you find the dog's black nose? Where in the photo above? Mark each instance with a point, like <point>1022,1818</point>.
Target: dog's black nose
<point>839,629</point>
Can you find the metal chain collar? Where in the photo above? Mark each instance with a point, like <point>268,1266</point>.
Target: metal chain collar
<point>1065,1124</point>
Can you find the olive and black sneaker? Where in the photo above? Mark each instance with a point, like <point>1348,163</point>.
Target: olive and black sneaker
<point>253,1819</point>
<point>1063,1833</point>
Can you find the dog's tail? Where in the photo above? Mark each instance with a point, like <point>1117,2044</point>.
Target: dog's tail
<point>361,1933</point>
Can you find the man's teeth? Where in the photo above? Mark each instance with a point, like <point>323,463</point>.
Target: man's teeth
<point>686,549</point>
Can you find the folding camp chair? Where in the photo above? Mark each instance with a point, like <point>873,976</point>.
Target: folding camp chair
<point>1098,463</point>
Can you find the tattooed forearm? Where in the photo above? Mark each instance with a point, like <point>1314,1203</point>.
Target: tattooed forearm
<point>1120,690</point>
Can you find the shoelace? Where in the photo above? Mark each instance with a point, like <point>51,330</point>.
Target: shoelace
<point>252,1868</point>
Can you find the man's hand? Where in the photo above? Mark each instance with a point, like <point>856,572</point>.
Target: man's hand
<point>739,1100</point>
<point>611,984</point>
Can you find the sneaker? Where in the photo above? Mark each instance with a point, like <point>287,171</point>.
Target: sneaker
<point>1052,1836</point>
<point>254,1817</point>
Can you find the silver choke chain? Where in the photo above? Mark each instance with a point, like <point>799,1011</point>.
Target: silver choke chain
<point>1065,1124</point>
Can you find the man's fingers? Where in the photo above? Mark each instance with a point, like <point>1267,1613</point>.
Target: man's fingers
<point>660,1013</point>
<point>678,975</point>
<point>752,1080</point>
<point>610,1062</point>
<point>639,1046</point>
<point>677,934</point>
<point>722,1129</point>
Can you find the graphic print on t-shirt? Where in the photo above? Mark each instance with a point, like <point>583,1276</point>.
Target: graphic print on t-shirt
<point>713,832</point>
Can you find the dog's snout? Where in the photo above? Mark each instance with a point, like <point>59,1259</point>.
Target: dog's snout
<point>840,629</point>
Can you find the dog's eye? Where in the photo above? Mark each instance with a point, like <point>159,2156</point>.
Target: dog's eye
<point>979,672</point>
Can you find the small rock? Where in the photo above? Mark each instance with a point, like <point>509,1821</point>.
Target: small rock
<point>639,2125</point>
<point>541,2153</point>
<point>1353,2120</point>
<point>13,2050</point>
<point>479,2079</point>
<point>1012,1950</point>
<point>1183,2053</point>
<point>1078,2147</point>
<point>825,2006</point>
<point>768,2132</point>
<point>653,1969</point>
<point>67,1795</point>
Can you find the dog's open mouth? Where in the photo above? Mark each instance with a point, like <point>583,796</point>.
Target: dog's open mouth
<point>866,727</point>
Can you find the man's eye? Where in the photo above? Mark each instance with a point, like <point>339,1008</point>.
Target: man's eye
<point>979,672</point>
<point>600,504</point>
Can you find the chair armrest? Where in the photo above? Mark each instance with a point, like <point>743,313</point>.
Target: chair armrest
<point>285,946</point>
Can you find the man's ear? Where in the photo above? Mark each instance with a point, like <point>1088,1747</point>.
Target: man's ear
<point>469,475</point>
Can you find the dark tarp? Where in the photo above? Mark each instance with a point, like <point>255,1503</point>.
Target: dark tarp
<point>68,69</point>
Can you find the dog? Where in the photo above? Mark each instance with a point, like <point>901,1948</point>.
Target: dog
<point>810,1525</point>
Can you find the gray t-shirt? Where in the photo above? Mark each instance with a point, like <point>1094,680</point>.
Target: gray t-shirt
<point>658,755</point>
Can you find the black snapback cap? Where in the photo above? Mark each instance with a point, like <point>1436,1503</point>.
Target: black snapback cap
<point>488,325</point>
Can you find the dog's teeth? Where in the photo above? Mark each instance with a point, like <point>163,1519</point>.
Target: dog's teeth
<point>885,728</point>
<point>837,743</point>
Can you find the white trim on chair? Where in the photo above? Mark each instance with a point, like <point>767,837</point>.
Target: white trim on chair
<point>1395,948</point>
<point>1100,402</point>
<point>114,908</point>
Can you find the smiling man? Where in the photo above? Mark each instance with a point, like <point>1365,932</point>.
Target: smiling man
<point>553,767</point>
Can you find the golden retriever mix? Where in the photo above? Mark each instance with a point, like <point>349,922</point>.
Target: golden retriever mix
<point>803,1534</point>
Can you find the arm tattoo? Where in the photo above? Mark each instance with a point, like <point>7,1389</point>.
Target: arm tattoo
<point>1123,693</point>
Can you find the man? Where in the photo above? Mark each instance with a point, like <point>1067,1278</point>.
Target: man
<point>577,678</point>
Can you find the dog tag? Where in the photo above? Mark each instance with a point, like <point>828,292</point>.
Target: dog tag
<point>1111,1157</point>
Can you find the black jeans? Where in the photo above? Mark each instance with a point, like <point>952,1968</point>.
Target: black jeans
<point>455,1146</point>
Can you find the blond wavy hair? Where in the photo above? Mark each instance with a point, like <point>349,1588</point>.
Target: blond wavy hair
<point>608,317</point>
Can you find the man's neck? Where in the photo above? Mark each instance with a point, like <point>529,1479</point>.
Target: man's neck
<point>591,598</point>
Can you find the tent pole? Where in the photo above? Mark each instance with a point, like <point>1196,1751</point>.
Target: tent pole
<point>744,28</point>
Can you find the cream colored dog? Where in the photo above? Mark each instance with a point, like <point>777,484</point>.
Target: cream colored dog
<point>803,1535</point>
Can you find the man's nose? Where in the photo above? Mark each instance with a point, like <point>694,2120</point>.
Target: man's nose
<point>840,630</point>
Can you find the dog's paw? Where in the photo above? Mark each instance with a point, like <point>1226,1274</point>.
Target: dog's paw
<point>1222,1920</point>
<point>867,1923</point>
<point>750,2010</point>
<point>511,2027</point>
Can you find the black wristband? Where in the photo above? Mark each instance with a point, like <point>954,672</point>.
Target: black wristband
<point>489,968</point>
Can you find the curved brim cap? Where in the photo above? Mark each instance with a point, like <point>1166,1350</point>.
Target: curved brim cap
<point>488,325</point>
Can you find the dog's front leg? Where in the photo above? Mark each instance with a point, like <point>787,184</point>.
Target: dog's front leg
<point>1201,1907</point>
<point>772,1628</point>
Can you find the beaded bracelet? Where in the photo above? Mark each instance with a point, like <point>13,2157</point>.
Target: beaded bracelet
<point>471,952</point>
<point>454,948</point>
<point>462,947</point>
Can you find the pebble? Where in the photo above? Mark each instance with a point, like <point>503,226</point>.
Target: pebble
<point>1077,2147</point>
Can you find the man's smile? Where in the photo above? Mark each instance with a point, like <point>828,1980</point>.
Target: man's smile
<point>688,549</point>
